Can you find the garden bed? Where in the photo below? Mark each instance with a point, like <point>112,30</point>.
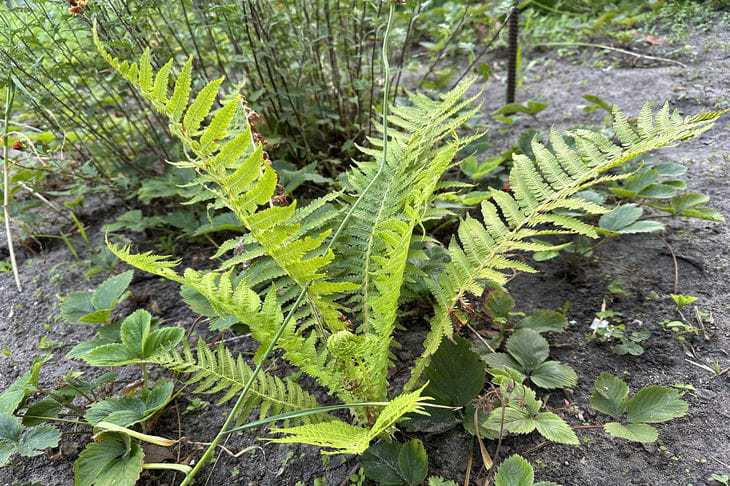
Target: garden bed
<point>689,449</point>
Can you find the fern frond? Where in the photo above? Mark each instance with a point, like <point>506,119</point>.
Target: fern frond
<point>219,372</point>
<point>234,168</point>
<point>342,438</point>
<point>541,186</point>
<point>417,132</point>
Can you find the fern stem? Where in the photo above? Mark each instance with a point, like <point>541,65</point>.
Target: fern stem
<point>9,96</point>
<point>324,409</point>
<point>386,86</point>
<point>241,397</point>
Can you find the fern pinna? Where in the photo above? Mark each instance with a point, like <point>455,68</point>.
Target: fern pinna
<point>351,288</point>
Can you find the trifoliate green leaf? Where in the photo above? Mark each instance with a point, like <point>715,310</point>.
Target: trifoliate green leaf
<point>139,342</point>
<point>127,411</point>
<point>26,441</point>
<point>655,404</point>
<point>632,432</point>
<point>115,461</point>
<point>609,395</point>
<point>96,307</point>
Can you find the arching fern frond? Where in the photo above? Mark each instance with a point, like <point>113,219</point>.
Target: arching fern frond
<point>219,372</point>
<point>234,168</point>
<point>541,187</point>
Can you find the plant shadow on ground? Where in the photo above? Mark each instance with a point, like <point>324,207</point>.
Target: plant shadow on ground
<point>689,450</point>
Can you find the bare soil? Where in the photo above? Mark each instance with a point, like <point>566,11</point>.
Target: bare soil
<point>689,449</point>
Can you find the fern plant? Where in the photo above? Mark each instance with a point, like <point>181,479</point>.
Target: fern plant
<point>327,294</point>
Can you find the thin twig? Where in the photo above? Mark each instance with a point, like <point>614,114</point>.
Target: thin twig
<point>484,341</point>
<point>484,50</point>
<point>611,48</point>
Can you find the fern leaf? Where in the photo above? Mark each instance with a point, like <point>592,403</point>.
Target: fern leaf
<point>181,92</point>
<point>162,79</point>
<point>542,186</point>
<point>338,437</point>
<point>201,106</point>
<point>219,372</point>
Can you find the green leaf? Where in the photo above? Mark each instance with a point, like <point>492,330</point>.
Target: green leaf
<point>456,374</point>
<point>682,300</point>
<point>200,107</point>
<point>528,348</point>
<point>381,463</point>
<point>76,305</point>
<point>545,321</point>
<point>632,432</point>
<point>439,481</point>
<point>552,374</point>
<point>181,92</point>
<point>43,408</point>
<point>500,361</point>
<point>671,169</point>
<point>707,214</point>
<point>514,471</point>
<point>26,441</point>
<point>609,395</point>
<point>108,294</point>
<point>162,340</point>
<point>655,404</point>
<point>498,304</point>
<point>115,461</point>
<point>644,226</point>
<point>127,411</point>
<point>413,462</point>
<point>555,429</point>
<point>620,217</point>
<point>13,396</point>
<point>134,332</point>
<point>115,354</point>
<point>628,346</point>
<point>100,316</point>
